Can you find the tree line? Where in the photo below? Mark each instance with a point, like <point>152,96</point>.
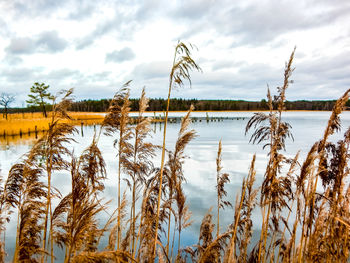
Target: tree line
<point>159,104</point>
<point>178,104</point>
<point>40,100</point>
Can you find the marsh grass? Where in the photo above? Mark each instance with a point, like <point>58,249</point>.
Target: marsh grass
<point>305,204</point>
<point>29,123</point>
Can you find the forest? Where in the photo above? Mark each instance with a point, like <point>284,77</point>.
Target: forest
<point>178,104</point>
<point>205,105</point>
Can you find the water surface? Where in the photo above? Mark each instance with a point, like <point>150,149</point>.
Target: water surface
<point>199,168</point>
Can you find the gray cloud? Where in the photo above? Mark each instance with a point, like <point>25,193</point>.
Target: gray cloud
<point>326,65</point>
<point>116,24</point>
<point>252,24</point>
<point>123,24</point>
<point>100,30</point>
<point>62,74</point>
<point>85,10</point>
<point>257,23</point>
<point>101,76</point>
<point>34,8</point>
<point>13,59</point>
<point>226,64</point>
<point>84,42</point>
<point>122,55</point>
<point>4,28</point>
<point>156,69</point>
<point>322,78</point>
<point>20,79</point>
<point>22,45</point>
<point>50,42</point>
<point>150,9</point>
<point>19,74</point>
<point>45,42</point>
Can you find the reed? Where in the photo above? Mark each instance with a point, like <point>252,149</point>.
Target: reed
<point>315,194</point>
<point>175,178</point>
<point>117,119</point>
<point>221,180</point>
<point>139,165</point>
<point>74,218</point>
<point>276,189</point>
<point>180,72</point>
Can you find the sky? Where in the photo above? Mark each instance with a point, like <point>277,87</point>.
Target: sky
<point>241,46</point>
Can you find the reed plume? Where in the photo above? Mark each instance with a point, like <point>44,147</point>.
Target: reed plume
<point>3,219</point>
<point>221,180</point>
<point>183,64</point>
<point>139,164</point>
<point>175,176</point>
<point>328,238</point>
<point>24,191</point>
<point>75,216</point>
<point>117,119</point>
<point>276,190</point>
<point>102,257</point>
<point>325,150</point>
<point>148,219</point>
<point>208,249</point>
<point>52,147</point>
<point>206,234</point>
<point>241,229</point>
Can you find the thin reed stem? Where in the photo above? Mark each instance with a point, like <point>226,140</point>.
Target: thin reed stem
<point>162,162</point>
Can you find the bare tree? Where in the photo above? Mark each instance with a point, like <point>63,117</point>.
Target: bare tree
<point>5,100</point>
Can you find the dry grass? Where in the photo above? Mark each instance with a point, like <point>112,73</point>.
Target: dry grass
<point>18,123</point>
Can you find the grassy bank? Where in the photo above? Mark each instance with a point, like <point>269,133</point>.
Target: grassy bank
<point>27,123</point>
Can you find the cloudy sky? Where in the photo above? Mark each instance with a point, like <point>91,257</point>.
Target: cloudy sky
<point>96,46</point>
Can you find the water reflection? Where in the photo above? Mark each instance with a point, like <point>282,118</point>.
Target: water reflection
<point>11,141</point>
<point>199,168</point>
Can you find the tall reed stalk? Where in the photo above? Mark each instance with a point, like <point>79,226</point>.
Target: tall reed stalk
<point>3,219</point>
<point>117,119</point>
<point>53,150</point>
<point>221,180</point>
<point>275,189</point>
<point>24,191</point>
<point>139,162</point>
<point>180,72</point>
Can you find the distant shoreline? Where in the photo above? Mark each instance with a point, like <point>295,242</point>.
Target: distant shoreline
<point>159,105</point>
<point>231,111</point>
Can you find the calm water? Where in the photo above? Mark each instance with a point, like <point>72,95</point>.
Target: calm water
<point>199,168</point>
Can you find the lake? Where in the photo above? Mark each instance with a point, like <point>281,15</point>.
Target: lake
<point>199,168</point>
